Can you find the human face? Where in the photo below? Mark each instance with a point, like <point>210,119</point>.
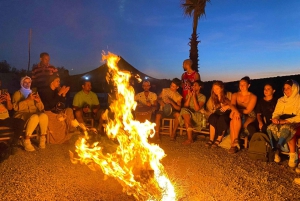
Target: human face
<point>268,91</point>
<point>45,60</point>
<point>217,90</point>
<point>173,87</point>
<point>244,86</point>
<point>56,82</point>
<point>196,87</point>
<point>26,83</point>
<point>146,86</point>
<point>87,87</point>
<point>287,90</point>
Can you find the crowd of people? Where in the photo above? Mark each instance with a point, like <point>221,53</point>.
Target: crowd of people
<point>41,105</point>
<point>237,114</point>
<point>41,102</point>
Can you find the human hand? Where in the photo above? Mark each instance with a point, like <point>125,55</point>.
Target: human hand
<point>260,125</point>
<point>2,98</point>
<point>36,97</point>
<point>275,121</point>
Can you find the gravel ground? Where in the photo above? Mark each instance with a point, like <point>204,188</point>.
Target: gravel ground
<point>197,173</point>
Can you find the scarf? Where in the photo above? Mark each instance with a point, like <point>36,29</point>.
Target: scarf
<point>25,92</point>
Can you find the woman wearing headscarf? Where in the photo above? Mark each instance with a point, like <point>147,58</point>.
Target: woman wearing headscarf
<point>60,117</point>
<point>29,107</point>
<point>286,120</point>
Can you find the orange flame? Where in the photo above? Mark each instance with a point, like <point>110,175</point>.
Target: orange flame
<point>135,163</point>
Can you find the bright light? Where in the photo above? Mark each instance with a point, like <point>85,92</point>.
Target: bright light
<point>146,78</point>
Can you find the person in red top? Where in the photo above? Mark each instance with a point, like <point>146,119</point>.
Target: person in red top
<point>41,72</point>
<point>188,77</point>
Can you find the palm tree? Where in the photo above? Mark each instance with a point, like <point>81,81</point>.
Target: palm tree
<point>195,9</point>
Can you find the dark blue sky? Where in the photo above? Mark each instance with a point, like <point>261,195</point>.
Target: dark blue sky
<point>258,38</point>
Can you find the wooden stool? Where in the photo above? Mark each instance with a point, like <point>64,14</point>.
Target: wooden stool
<point>167,126</point>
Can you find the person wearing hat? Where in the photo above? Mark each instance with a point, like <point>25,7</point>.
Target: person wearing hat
<point>29,107</point>
<point>60,117</point>
<point>170,104</point>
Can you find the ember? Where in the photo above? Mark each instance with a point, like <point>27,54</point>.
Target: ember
<point>134,163</point>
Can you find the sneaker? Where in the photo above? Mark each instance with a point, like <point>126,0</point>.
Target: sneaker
<point>27,145</point>
<point>42,142</point>
<point>277,158</point>
<point>293,161</point>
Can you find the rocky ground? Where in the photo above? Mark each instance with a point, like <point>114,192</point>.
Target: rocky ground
<point>197,172</point>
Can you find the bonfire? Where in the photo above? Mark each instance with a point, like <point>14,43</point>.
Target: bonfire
<point>134,162</point>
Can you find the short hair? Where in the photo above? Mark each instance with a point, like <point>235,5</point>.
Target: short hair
<point>177,82</point>
<point>246,79</point>
<point>270,84</point>
<point>189,61</point>
<point>146,81</point>
<point>83,81</point>
<point>43,54</point>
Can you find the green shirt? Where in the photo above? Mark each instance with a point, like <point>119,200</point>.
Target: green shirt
<point>81,99</point>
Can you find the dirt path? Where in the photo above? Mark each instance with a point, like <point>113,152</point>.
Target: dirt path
<point>198,173</point>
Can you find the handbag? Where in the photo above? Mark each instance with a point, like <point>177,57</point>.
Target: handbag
<point>59,108</point>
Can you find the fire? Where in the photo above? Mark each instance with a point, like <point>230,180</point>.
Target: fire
<point>134,163</point>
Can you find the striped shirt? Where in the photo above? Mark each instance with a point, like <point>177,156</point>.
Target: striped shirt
<point>40,75</point>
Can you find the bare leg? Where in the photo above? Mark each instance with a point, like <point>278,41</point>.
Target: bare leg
<point>292,145</point>
<point>176,123</point>
<point>235,127</point>
<point>79,116</point>
<point>157,126</point>
<point>187,120</point>
<point>212,132</point>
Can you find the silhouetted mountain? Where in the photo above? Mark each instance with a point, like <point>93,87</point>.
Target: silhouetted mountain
<point>100,85</point>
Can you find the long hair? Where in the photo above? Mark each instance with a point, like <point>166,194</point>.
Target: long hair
<point>214,97</point>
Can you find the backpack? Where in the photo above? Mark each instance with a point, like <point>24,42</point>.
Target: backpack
<point>260,148</point>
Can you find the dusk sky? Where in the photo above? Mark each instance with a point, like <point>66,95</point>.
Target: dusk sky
<point>258,38</point>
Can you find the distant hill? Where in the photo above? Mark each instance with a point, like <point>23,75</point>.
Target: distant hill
<point>100,85</point>
<point>98,78</point>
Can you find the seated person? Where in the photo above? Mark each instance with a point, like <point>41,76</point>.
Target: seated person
<point>264,110</point>
<point>245,102</point>
<point>5,121</point>
<point>286,120</point>
<point>173,98</point>
<point>86,104</point>
<point>146,100</point>
<point>219,118</point>
<point>29,107</point>
<point>190,113</point>
<point>60,117</point>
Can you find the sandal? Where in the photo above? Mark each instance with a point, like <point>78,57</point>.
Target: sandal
<point>233,150</point>
<point>216,144</point>
<point>209,143</point>
<point>187,142</point>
